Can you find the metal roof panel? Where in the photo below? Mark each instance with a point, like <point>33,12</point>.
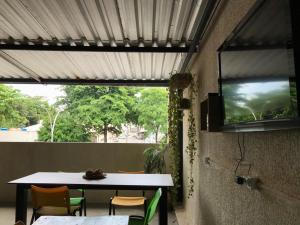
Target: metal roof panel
<point>138,23</point>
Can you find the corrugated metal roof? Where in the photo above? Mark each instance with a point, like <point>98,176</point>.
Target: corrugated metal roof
<point>154,23</point>
<point>93,65</point>
<point>105,20</point>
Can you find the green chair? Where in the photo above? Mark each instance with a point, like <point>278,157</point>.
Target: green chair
<point>78,201</point>
<point>139,220</point>
<point>81,201</point>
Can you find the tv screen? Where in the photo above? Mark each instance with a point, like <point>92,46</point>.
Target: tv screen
<point>258,83</point>
<point>265,100</point>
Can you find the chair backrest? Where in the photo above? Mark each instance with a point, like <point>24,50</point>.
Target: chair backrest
<point>152,207</point>
<point>57,197</point>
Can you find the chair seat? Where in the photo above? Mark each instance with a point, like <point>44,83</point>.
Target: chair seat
<point>56,211</point>
<point>76,201</point>
<point>128,201</point>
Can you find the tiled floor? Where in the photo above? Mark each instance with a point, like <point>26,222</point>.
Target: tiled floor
<point>7,214</point>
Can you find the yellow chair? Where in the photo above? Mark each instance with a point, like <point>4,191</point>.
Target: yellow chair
<point>125,200</point>
<point>51,202</point>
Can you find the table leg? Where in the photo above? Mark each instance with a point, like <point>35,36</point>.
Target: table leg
<point>21,203</point>
<point>163,208</point>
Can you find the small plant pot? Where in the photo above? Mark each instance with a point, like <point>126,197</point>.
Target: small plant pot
<point>181,80</point>
<point>184,104</point>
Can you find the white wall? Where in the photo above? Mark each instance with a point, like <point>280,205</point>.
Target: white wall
<point>274,155</point>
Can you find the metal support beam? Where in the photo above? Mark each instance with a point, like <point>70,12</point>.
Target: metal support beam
<point>209,7</point>
<point>250,79</point>
<point>255,47</point>
<point>148,83</point>
<point>94,48</point>
<point>295,13</point>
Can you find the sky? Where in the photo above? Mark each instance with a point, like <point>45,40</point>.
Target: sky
<point>48,92</point>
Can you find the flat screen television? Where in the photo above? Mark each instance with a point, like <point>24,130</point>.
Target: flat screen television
<point>259,87</point>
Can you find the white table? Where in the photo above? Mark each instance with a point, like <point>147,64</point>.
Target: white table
<point>113,181</point>
<point>74,220</point>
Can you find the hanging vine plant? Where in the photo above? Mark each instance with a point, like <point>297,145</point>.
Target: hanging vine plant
<point>191,148</point>
<point>173,118</point>
<point>177,104</point>
<point>180,81</point>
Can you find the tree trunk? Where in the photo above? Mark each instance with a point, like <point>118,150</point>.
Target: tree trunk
<point>105,133</point>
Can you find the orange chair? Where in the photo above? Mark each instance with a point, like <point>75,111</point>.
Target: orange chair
<point>127,201</point>
<point>51,202</point>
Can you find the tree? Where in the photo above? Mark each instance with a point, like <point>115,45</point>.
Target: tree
<point>17,110</point>
<point>152,107</point>
<point>100,109</point>
<point>95,110</point>
<point>67,129</point>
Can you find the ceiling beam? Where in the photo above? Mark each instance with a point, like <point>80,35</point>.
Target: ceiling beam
<point>253,47</point>
<point>93,48</point>
<point>148,83</point>
<point>204,20</point>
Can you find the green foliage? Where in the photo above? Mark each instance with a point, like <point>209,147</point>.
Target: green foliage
<point>88,110</point>
<point>95,110</point>
<point>17,110</point>
<point>67,129</point>
<point>154,158</point>
<point>174,115</point>
<point>131,102</point>
<point>191,148</point>
<point>152,108</point>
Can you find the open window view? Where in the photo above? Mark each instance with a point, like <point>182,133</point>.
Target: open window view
<point>83,113</point>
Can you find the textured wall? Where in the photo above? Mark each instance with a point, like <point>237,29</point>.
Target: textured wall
<point>274,156</point>
<point>20,159</point>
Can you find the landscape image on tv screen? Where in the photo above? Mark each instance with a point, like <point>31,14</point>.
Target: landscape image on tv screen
<point>259,101</point>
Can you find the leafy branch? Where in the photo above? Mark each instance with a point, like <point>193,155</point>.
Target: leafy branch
<point>173,118</point>
<point>191,148</point>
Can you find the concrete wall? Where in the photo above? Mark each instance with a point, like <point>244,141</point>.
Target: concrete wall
<point>20,159</point>
<point>274,156</point>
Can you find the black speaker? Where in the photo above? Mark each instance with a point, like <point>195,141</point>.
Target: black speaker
<point>210,114</point>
